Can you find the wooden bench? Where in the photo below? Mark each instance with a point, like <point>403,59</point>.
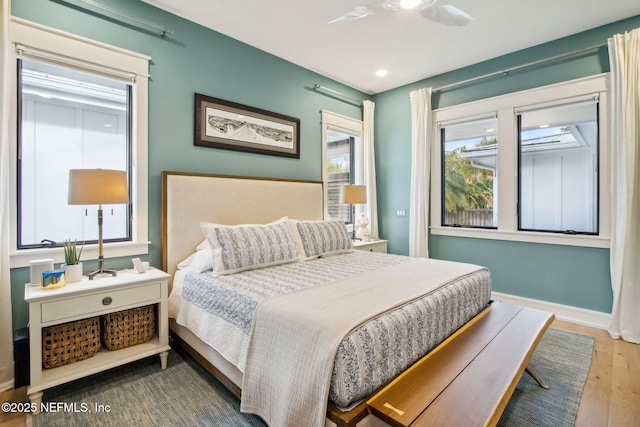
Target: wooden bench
<point>469,378</point>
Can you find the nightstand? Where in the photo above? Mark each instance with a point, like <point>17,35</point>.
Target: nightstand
<point>91,298</point>
<point>372,246</point>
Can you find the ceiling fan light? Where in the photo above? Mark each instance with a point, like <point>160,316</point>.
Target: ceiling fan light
<point>409,4</point>
<point>445,14</point>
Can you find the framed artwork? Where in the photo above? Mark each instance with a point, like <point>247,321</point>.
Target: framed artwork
<point>230,126</point>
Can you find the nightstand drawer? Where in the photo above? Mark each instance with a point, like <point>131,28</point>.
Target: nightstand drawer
<point>90,304</point>
<point>372,246</point>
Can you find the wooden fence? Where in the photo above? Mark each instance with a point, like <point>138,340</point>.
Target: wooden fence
<point>470,217</point>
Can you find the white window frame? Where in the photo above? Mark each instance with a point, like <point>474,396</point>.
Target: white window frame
<point>506,106</point>
<point>349,126</point>
<point>97,57</point>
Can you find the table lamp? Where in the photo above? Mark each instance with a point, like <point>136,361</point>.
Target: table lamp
<point>353,195</point>
<point>98,187</point>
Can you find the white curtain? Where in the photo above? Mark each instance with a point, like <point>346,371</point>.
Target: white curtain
<point>420,172</point>
<point>624,58</point>
<point>6,322</point>
<point>369,163</point>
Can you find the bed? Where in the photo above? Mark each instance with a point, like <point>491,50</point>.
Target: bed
<point>379,327</point>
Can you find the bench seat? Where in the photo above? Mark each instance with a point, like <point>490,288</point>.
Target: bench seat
<point>469,378</point>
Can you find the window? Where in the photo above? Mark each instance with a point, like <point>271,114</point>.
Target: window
<point>69,119</point>
<point>558,168</point>
<point>468,173</point>
<point>77,103</point>
<point>340,148</point>
<point>341,142</point>
<point>528,166</point>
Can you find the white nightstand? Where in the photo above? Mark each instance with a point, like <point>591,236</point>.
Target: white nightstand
<point>373,246</point>
<point>89,298</point>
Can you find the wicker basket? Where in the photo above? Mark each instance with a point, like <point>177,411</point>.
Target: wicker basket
<point>128,327</point>
<point>70,342</point>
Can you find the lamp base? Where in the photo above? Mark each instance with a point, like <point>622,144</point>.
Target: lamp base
<point>101,269</point>
<point>353,224</point>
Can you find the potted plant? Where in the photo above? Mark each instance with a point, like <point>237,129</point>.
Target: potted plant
<point>72,266</point>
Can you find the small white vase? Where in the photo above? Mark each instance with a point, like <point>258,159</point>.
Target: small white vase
<point>363,229</point>
<point>72,273</point>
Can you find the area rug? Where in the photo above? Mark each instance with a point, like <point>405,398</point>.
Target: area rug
<point>142,394</point>
<point>562,361</point>
<point>184,394</point>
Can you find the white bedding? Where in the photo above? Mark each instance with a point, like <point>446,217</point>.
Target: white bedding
<point>369,356</point>
<point>232,339</point>
<point>227,339</point>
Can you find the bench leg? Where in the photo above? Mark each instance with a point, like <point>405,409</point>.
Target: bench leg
<point>536,378</point>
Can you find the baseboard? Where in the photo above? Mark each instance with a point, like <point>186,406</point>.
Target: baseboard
<point>581,316</point>
<point>7,385</point>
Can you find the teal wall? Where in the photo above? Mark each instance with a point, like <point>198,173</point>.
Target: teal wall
<point>195,59</point>
<point>573,276</point>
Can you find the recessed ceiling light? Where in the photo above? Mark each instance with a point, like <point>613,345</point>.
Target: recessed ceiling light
<point>409,4</point>
<point>490,130</point>
<point>544,126</point>
<point>381,73</point>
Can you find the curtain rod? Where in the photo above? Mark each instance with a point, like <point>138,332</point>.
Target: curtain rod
<point>518,67</point>
<point>318,87</point>
<point>163,30</point>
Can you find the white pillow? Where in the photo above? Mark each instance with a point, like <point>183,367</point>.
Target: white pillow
<point>248,246</point>
<point>200,261</point>
<point>320,238</point>
<point>203,245</point>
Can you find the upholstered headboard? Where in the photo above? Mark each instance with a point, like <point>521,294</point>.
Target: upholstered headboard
<point>189,199</point>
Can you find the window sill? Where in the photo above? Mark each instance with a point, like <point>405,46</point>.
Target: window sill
<point>524,236</point>
<point>24,257</point>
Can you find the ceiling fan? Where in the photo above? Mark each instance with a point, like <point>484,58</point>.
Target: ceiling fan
<point>429,9</point>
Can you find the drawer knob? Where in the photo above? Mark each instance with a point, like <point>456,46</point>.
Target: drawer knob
<point>107,300</point>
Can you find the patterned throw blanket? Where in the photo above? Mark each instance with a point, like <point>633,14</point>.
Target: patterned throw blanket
<point>295,336</point>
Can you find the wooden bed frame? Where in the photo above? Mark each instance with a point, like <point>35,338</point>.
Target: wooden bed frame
<point>191,198</point>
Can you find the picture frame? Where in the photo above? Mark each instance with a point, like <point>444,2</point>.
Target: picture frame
<point>232,126</point>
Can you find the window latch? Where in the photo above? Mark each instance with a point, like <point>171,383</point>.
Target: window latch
<point>46,243</point>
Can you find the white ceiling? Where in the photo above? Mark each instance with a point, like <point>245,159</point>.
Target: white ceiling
<point>410,47</point>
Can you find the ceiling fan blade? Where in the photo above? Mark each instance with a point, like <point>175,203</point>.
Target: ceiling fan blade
<point>446,14</point>
<point>357,13</point>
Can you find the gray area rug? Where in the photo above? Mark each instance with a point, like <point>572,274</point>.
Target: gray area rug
<point>141,394</point>
<point>562,361</point>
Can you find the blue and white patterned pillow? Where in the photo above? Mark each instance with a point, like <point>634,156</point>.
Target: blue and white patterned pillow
<point>248,246</point>
<point>320,238</point>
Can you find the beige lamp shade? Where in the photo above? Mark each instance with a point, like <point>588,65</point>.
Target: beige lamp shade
<point>98,187</point>
<point>353,194</point>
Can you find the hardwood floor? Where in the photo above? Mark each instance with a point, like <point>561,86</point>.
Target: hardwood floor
<point>13,419</point>
<point>611,395</point>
